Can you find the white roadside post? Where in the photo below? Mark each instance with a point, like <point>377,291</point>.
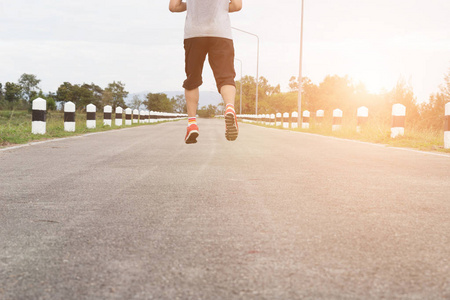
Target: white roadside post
<point>119,112</point>
<point>69,116</point>
<point>107,115</point>
<point>305,121</point>
<point>267,119</point>
<point>320,114</point>
<point>142,116</point>
<point>286,120</point>
<point>91,122</point>
<point>294,119</point>
<point>447,126</point>
<point>362,116</point>
<point>152,117</point>
<point>337,120</point>
<point>128,117</point>
<point>135,116</point>
<point>398,120</point>
<point>39,116</point>
<point>278,119</point>
<point>272,120</point>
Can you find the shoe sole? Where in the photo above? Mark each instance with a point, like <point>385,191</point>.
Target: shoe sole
<point>231,132</point>
<point>192,137</point>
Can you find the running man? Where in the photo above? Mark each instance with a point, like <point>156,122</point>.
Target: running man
<point>208,31</point>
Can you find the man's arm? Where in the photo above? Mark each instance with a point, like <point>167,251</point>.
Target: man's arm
<point>177,6</point>
<point>235,5</point>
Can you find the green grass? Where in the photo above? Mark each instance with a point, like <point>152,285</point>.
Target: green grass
<point>421,139</point>
<point>15,127</point>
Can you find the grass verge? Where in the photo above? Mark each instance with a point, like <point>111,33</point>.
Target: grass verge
<point>15,127</point>
<point>414,138</point>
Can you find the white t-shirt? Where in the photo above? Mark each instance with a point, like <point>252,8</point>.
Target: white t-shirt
<point>207,18</point>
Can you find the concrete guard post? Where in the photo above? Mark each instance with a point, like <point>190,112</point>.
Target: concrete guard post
<point>91,109</point>
<point>142,116</point>
<point>337,120</point>
<point>305,120</point>
<point>294,119</point>
<point>128,117</point>
<point>119,112</point>
<point>69,116</point>
<point>447,126</point>
<point>267,119</point>
<point>278,119</point>
<point>398,120</point>
<point>272,120</point>
<point>39,116</point>
<point>152,117</point>
<point>362,115</point>
<point>135,116</point>
<point>320,114</point>
<point>286,120</point>
<point>107,115</point>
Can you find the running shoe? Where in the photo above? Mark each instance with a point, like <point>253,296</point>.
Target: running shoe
<point>191,134</point>
<point>232,129</point>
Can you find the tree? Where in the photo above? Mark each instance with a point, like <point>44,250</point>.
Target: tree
<point>158,102</point>
<point>207,111</point>
<point>136,102</point>
<point>118,94</point>
<point>179,104</point>
<point>81,95</point>
<point>29,84</point>
<point>67,92</point>
<point>92,94</point>
<point>13,92</point>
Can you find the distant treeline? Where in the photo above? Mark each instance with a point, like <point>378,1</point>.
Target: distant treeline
<point>333,92</point>
<point>19,95</point>
<point>340,92</point>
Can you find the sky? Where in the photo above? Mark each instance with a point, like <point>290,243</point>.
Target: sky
<point>140,43</point>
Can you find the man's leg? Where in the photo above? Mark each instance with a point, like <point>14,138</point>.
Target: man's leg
<point>195,53</point>
<point>221,60</point>
<point>192,97</point>
<point>228,93</point>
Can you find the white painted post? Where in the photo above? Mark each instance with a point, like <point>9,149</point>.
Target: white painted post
<point>119,112</point>
<point>128,117</point>
<point>447,126</point>
<point>362,116</point>
<point>398,120</point>
<point>278,119</point>
<point>319,116</point>
<point>91,122</point>
<point>135,116</point>
<point>39,116</point>
<point>141,116</point>
<point>267,119</point>
<point>152,117</point>
<point>107,115</point>
<point>272,120</point>
<point>294,119</point>
<point>69,116</point>
<point>305,120</point>
<point>337,120</point>
<point>286,120</point>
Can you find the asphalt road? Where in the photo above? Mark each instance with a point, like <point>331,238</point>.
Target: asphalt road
<point>137,214</point>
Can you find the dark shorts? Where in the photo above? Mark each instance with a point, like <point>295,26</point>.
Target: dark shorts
<point>220,56</point>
